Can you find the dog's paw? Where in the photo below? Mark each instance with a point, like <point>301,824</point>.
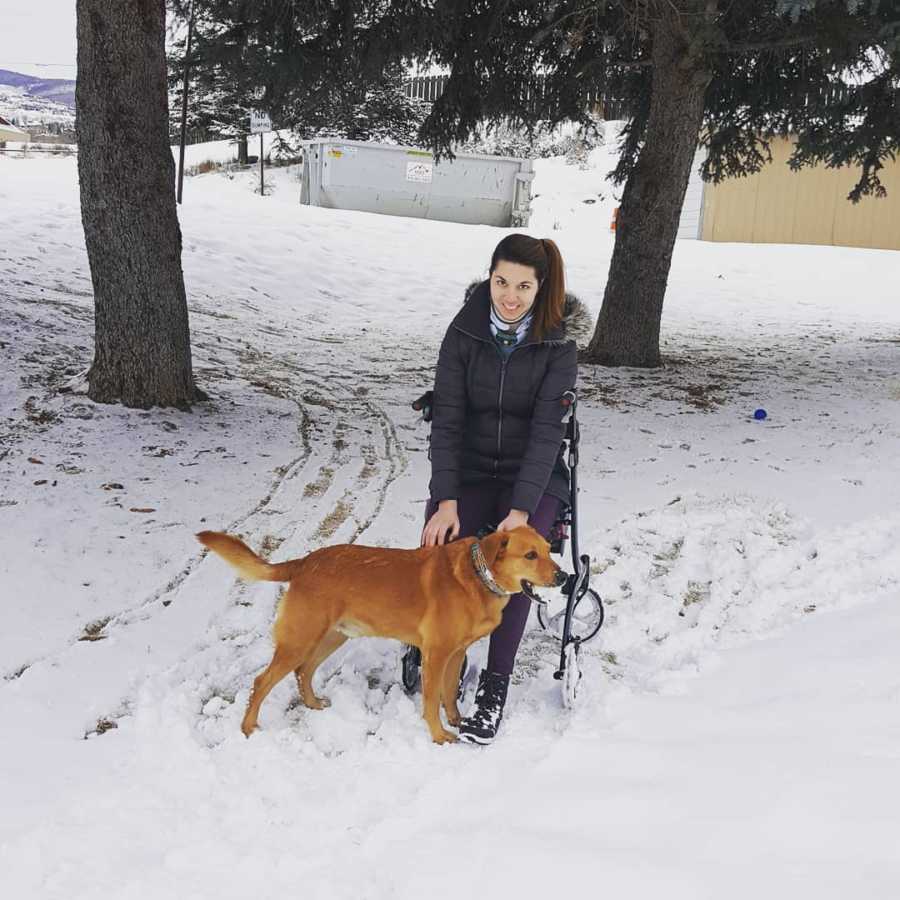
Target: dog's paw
<point>248,727</point>
<point>445,737</point>
<point>318,703</point>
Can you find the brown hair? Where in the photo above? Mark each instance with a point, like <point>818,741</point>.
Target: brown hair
<point>544,257</point>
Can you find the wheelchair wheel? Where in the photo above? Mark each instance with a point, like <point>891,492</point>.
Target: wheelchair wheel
<point>411,672</point>
<point>571,679</point>
<point>587,617</point>
<point>410,669</point>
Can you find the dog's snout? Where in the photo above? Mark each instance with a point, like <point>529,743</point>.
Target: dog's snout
<point>561,578</point>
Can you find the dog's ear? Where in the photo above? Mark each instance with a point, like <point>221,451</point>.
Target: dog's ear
<point>494,547</point>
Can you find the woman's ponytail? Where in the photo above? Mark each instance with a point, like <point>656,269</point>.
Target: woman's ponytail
<point>553,290</point>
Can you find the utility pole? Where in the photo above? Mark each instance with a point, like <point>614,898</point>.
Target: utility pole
<point>184,99</point>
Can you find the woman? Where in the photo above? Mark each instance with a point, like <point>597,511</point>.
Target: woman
<point>497,429</point>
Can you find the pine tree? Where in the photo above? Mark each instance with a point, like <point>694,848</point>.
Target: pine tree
<point>728,75</point>
<point>295,61</point>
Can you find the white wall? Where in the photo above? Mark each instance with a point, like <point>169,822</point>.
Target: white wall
<point>689,226</point>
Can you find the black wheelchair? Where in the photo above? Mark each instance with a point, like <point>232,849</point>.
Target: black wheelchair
<point>581,616</point>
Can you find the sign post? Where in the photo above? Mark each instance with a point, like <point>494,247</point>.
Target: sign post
<point>259,124</point>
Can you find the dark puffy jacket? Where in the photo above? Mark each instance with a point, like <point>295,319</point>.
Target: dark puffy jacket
<point>500,418</point>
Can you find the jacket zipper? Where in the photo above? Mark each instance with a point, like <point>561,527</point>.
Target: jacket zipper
<point>503,362</point>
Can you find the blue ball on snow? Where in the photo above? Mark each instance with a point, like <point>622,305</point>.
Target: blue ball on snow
<point>760,414</point>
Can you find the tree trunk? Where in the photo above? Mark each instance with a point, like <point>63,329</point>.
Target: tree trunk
<point>627,332</point>
<point>142,352</point>
<point>242,149</point>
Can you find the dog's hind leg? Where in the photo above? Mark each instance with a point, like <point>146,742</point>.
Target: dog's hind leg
<point>434,663</point>
<point>289,655</point>
<point>332,640</point>
<point>450,687</point>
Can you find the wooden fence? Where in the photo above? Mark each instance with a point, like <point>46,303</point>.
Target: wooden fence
<point>430,87</point>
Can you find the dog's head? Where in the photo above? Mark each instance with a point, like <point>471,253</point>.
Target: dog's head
<point>520,561</point>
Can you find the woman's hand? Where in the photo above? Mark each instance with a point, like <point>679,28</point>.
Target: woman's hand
<point>515,518</point>
<point>443,521</point>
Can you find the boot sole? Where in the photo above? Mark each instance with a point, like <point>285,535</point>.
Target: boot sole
<point>474,739</point>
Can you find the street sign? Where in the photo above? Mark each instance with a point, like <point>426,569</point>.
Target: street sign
<point>259,121</point>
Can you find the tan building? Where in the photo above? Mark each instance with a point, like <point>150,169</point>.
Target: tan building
<point>9,132</point>
<point>810,206</point>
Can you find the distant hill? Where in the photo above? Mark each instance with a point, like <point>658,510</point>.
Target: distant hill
<point>57,90</point>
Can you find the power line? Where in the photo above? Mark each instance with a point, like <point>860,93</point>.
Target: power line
<point>22,62</point>
<point>6,63</point>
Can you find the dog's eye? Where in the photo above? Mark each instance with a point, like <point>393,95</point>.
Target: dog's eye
<point>531,554</point>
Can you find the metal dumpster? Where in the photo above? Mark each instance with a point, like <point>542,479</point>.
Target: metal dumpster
<point>404,181</point>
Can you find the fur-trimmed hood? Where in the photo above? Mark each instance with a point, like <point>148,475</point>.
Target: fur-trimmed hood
<point>577,323</point>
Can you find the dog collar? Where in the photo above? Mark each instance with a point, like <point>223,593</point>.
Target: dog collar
<point>484,573</point>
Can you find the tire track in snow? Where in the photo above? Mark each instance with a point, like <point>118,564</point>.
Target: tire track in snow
<point>299,381</point>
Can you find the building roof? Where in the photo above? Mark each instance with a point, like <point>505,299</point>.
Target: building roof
<point>9,132</point>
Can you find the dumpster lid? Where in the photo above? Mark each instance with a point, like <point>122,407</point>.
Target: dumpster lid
<point>413,151</point>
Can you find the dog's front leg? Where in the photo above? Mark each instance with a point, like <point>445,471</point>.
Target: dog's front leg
<point>450,688</point>
<point>434,664</point>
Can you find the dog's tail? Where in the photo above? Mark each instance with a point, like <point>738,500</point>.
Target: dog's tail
<point>250,567</point>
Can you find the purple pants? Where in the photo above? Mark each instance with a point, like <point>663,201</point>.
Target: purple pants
<point>488,504</point>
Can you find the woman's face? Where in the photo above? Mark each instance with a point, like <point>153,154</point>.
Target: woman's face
<point>513,290</point>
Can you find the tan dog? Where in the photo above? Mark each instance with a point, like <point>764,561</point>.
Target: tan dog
<point>440,599</point>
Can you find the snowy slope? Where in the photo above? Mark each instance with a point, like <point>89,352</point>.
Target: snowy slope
<point>26,100</point>
<point>737,733</point>
<point>61,90</point>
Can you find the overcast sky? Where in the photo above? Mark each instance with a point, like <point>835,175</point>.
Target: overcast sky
<point>37,37</point>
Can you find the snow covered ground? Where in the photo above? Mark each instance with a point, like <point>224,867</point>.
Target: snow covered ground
<point>738,729</point>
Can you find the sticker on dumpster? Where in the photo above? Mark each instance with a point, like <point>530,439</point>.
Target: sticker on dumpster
<point>337,154</point>
<point>419,171</point>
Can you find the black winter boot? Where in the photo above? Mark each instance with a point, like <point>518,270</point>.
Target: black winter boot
<point>490,698</point>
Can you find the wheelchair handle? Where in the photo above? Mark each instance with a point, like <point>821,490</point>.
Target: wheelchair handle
<point>421,402</point>
<point>424,404</point>
<point>426,401</point>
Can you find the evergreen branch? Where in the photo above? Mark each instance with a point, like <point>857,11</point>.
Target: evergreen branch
<point>739,48</point>
<point>547,30</point>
